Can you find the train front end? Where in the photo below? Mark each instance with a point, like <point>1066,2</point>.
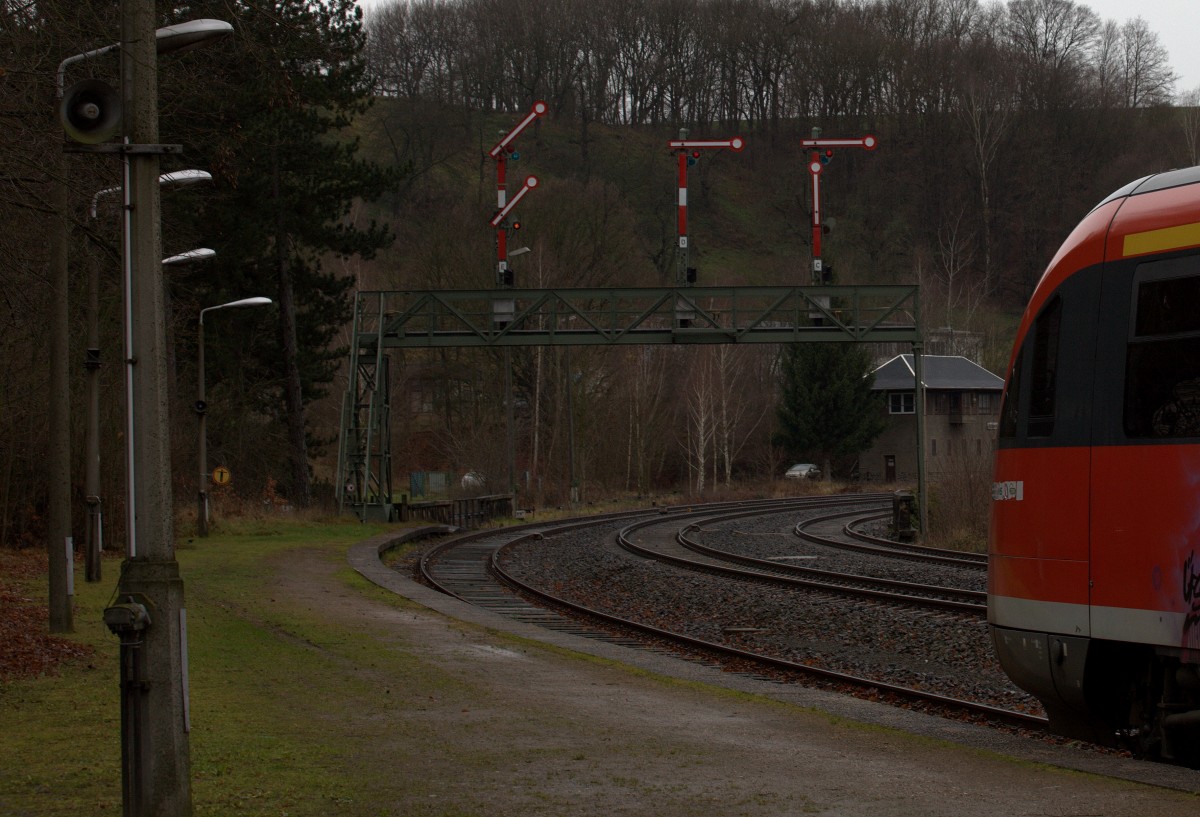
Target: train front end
<point>1094,572</point>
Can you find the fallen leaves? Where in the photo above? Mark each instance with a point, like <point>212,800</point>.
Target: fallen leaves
<point>27,649</point>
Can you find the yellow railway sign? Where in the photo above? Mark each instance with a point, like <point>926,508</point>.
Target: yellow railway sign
<point>221,475</point>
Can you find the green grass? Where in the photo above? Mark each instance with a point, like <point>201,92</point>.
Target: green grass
<point>258,743</point>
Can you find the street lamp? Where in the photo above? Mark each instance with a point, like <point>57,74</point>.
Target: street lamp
<point>176,178</point>
<point>92,116</point>
<point>202,410</point>
<point>149,614</point>
<point>94,535</point>
<point>178,37</point>
<point>509,422</point>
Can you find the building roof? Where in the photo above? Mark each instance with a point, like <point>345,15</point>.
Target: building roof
<point>945,372</point>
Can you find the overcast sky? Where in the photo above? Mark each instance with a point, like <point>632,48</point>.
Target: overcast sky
<point>1177,23</point>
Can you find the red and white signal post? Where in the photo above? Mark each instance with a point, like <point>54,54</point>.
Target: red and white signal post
<point>689,153</point>
<point>501,153</point>
<point>821,153</point>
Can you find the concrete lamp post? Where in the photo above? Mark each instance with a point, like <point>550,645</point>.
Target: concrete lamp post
<point>91,113</point>
<point>148,613</point>
<point>201,407</point>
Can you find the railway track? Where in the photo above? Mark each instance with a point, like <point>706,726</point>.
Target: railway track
<point>820,531</point>
<point>473,569</point>
<point>684,550</point>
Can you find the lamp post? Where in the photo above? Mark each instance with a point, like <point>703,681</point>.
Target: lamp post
<point>94,533</point>
<point>148,613</point>
<point>202,410</point>
<point>509,422</point>
<point>88,117</point>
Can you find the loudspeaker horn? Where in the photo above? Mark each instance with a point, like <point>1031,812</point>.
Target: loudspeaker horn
<point>91,112</point>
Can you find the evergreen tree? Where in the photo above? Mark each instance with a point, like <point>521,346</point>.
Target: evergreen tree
<point>827,411</point>
<point>273,111</point>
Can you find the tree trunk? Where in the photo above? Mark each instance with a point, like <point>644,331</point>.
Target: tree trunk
<point>300,491</point>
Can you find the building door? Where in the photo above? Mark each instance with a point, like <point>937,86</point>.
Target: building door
<point>889,467</point>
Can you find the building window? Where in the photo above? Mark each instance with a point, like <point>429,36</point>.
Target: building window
<point>985,403</point>
<point>932,447</point>
<point>901,402</point>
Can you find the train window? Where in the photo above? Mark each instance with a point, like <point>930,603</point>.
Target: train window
<point>1011,401</point>
<point>1162,365</point>
<point>1167,305</point>
<point>1044,369</point>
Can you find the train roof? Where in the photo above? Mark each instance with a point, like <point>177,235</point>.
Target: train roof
<point>942,372</point>
<point>1153,183</point>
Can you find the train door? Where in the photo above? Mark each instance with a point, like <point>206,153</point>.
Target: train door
<point>1146,473</point>
<point>1040,509</point>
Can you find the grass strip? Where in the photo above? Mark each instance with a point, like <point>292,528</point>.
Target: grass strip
<point>277,694</point>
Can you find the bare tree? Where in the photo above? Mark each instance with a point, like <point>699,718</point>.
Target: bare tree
<point>962,292</point>
<point>737,414</point>
<point>1051,40</point>
<point>986,107</point>
<point>1188,106</point>
<point>1146,69</point>
<point>647,414</point>
<point>700,426</point>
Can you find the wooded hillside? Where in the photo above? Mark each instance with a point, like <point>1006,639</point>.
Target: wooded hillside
<point>999,124</point>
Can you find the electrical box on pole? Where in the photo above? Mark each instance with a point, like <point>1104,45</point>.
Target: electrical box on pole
<point>501,153</point>
<point>820,154</point>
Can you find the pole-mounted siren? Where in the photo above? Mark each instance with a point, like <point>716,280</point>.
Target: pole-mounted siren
<point>90,112</point>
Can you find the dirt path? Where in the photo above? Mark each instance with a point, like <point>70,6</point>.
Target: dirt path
<point>511,728</point>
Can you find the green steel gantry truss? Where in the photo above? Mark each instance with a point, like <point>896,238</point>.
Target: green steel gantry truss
<point>430,319</point>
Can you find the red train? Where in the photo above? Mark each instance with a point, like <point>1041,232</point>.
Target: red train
<point>1094,547</point>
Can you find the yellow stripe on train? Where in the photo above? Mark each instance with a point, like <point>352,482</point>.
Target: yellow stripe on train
<point>1168,238</point>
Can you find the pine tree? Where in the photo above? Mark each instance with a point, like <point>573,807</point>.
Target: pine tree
<point>827,411</point>
<point>272,115</point>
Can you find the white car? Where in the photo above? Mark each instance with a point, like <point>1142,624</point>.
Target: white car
<point>803,470</point>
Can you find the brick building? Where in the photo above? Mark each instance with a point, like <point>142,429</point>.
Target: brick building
<point>962,405</point>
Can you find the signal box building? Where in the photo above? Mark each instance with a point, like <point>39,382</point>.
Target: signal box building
<point>962,406</point>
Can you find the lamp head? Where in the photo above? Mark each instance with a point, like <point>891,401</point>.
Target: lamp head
<point>199,254</point>
<point>191,34</point>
